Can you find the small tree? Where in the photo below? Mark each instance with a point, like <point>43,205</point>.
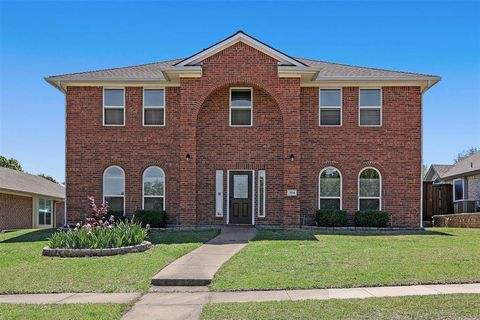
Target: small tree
<point>10,163</point>
<point>466,153</point>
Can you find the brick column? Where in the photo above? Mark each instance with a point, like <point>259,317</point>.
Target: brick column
<point>188,174</point>
<point>291,145</point>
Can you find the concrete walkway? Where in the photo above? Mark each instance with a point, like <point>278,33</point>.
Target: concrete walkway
<point>198,267</point>
<point>181,303</point>
<point>64,298</point>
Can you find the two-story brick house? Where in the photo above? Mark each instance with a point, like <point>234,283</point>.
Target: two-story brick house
<point>241,133</point>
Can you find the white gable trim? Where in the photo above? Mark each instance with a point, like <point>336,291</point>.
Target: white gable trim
<point>237,37</point>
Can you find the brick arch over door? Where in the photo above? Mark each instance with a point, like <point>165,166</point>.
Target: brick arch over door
<point>221,147</point>
<point>239,63</point>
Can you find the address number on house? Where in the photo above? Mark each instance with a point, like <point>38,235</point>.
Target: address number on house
<point>291,192</point>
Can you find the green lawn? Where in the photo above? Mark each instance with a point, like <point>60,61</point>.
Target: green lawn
<point>24,270</point>
<point>306,259</point>
<point>62,311</point>
<point>454,307</point>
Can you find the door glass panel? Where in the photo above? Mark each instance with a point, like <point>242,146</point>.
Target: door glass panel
<point>240,186</point>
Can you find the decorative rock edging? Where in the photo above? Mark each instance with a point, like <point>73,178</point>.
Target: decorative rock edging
<point>75,253</point>
<point>364,229</point>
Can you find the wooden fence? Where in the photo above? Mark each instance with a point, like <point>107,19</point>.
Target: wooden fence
<point>437,199</point>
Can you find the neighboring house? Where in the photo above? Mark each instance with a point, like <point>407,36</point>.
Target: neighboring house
<point>436,173</point>
<point>464,176</point>
<point>241,133</point>
<point>29,201</point>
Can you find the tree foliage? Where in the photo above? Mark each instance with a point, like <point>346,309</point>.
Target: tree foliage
<point>48,177</point>
<point>10,163</point>
<point>466,153</point>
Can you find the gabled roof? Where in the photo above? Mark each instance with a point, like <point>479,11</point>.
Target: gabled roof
<point>21,182</point>
<point>317,71</point>
<point>240,36</point>
<point>465,167</point>
<point>439,169</point>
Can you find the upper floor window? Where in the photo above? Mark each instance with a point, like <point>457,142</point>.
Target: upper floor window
<point>114,188</point>
<point>114,107</point>
<point>241,107</point>
<point>330,107</point>
<point>458,189</point>
<point>369,190</point>
<point>330,189</point>
<point>370,107</point>
<point>154,189</point>
<point>153,107</point>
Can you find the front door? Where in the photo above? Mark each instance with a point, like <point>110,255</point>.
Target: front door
<point>240,197</point>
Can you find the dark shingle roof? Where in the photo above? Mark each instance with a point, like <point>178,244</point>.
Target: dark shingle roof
<point>465,166</point>
<point>28,183</point>
<point>327,71</point>
<point>441,169</point>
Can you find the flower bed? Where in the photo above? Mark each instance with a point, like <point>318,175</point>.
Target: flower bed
<point>99,236</point>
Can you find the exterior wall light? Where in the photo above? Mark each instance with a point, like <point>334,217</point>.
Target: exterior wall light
<point>187,157</point>
<point>292,157</point>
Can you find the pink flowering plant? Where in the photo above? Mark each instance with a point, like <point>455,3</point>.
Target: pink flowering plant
<point>100,231</point>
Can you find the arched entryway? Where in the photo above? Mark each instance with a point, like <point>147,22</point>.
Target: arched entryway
<point>242,154</point>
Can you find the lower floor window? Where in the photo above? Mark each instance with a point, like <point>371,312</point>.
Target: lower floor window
<point>153,203</point>
<point>115,203</point>
<point>45,212</point>
<point>330,185</point>
<point>370,189</point>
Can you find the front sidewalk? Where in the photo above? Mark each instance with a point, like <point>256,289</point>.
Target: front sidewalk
<point>180,303</point>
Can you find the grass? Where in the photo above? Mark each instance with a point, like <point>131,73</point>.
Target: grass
<point>306,259</point>
<point>454,307</point>
<point>24,270</point>
<point>101,311</point>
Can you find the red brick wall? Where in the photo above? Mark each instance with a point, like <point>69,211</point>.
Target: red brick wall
<point>59,213</point>
<point>91,148</point>
<point>285,122</point>
<point>15,212</point>
<point>394,149</point>
<point>239,64</point>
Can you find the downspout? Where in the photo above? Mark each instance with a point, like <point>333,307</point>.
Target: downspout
<point>421,159</point>
<point>65,168</point>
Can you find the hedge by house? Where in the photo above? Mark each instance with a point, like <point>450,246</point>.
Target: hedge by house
<point>331,218</point>
<point>156,219</point>
<point>372,218</point>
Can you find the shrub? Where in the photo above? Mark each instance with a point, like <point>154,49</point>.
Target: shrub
<point>372,218</point>
<point>121,235</point>
<point>156,219</point>
<point>331,218</point>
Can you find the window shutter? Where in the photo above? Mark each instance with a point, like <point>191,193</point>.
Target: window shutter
<point>219,194</point>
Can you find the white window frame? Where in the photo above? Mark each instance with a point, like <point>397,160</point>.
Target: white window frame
<point>360,107</point>
<point>241,108</point>
<point>463,189</point>
<point>51,213</point>
<point>143,187</point>
<point>155,108</point>
<point>113,107</point>
<point>380,191</point>
<point>262,174</point>
<point>320,107</point>
<point>341,187</point>
<point>219,193</point>
<point>124,186</point>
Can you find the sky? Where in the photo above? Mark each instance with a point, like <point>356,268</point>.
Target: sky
<point>39,39</point>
